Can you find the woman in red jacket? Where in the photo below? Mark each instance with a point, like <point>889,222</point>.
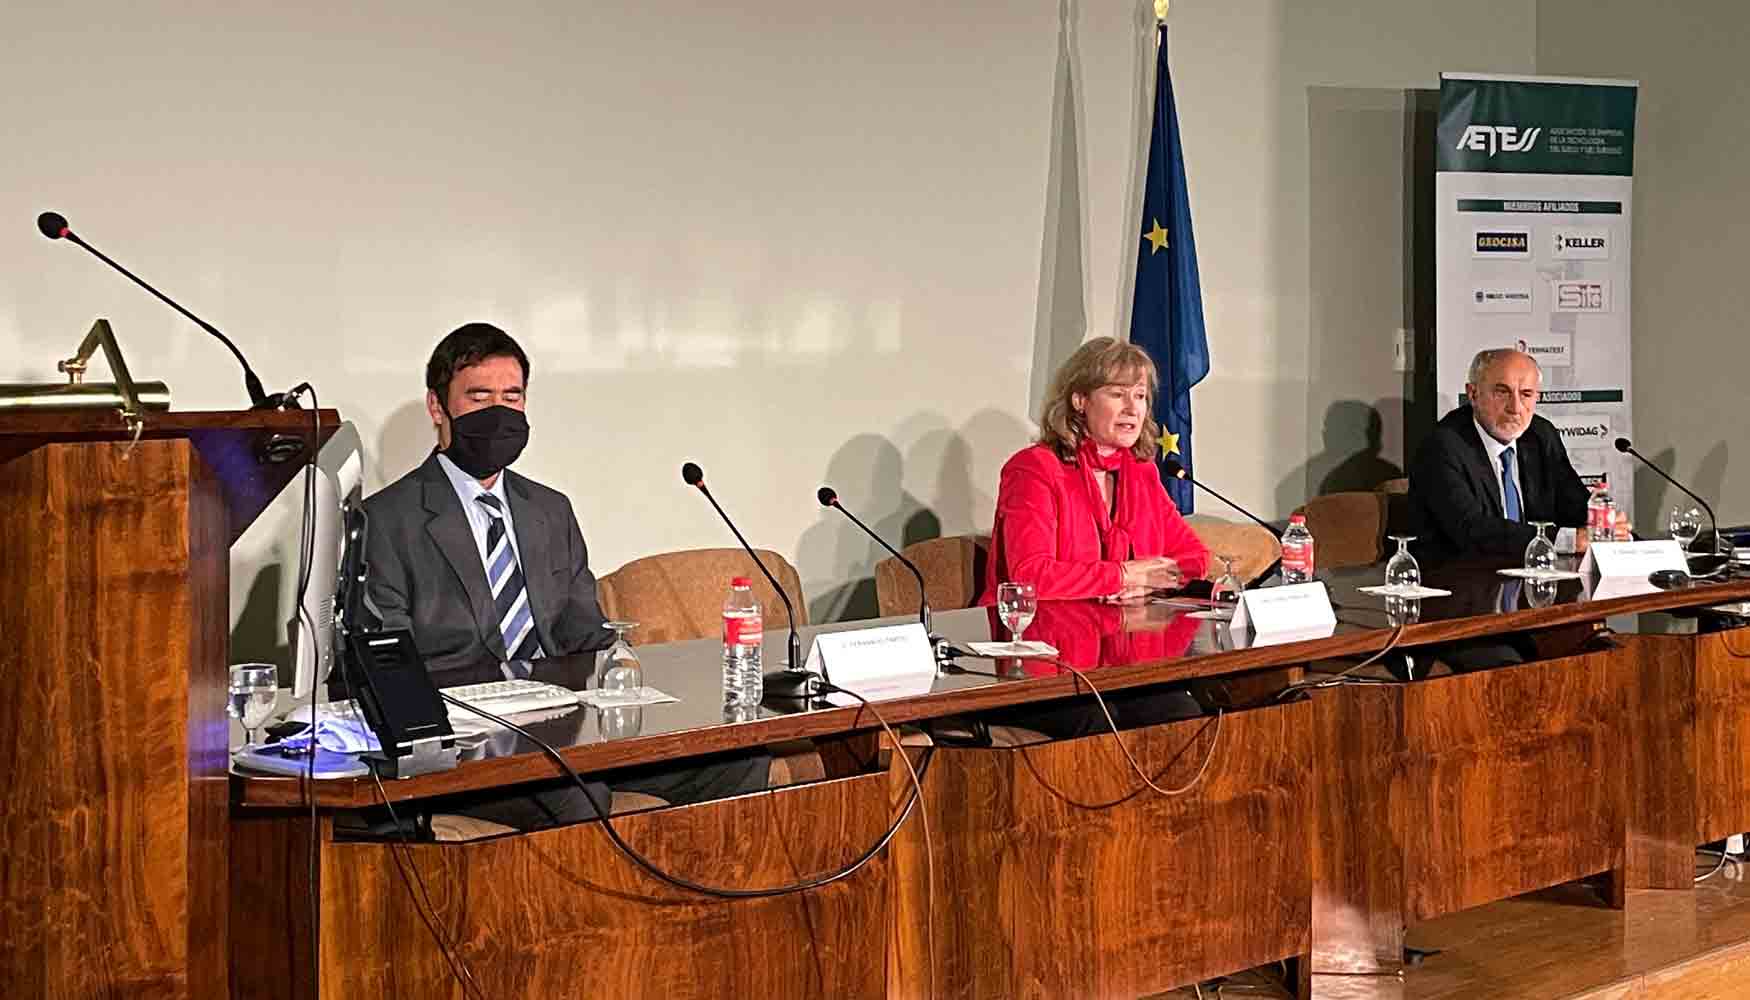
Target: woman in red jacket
<point>1083,513</point>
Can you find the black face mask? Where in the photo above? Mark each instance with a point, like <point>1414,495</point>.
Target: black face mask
<point>483,442</point>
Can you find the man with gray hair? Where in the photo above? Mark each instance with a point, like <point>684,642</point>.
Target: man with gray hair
<point>1492,467</point>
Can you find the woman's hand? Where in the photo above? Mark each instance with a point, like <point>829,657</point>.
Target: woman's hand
<point>1159,573</point>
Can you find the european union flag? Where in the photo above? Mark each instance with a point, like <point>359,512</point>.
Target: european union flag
<point>1166,316</point>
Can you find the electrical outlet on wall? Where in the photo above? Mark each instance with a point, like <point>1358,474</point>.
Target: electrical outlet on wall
<point>1403,351</point>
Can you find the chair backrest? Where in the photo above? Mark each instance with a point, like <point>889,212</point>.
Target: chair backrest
<point>679,595</point>
<point>953,569</point>
<point>1253,548</point>
<point>1349,528</point>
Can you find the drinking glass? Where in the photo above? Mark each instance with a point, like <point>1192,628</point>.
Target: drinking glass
<point>254,688</point>
<point>1540,554</point>
<point>1403,570</point>
<point>1226,590</point>
<point>619,674</point>
<point>1685,525</point>
<point>1016,605</point>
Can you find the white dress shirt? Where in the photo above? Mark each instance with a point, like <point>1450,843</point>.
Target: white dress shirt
<point>1494,449</point>
<point>468,489</point>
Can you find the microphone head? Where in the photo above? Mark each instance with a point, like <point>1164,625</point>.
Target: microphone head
<point>691,474</point>
<point>827,496</point>
<point>1622,445</point>
<point>53,225</point>
<point>1173,468</point>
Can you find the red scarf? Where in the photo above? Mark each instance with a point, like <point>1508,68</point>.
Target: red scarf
<point>1114,521</point>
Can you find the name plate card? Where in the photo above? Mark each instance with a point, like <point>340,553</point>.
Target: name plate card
<point>888,661</point>
<point>1612,559</point>
<point>1295,609</point>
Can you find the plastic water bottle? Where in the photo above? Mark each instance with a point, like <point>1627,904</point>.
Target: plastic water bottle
<point>1601,512</point>
<point>743,633</point>
<point>1297,551</point>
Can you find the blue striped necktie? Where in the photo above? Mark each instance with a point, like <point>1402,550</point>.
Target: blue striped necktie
<point>1509,491</point>
<point>516,621</point>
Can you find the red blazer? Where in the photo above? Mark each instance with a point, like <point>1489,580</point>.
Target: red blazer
<point>1050,522</point>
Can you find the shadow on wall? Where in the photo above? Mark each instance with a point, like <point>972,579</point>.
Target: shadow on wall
<point>259,635</point>
<point>870,477</point>
<point>404,442</point>
<point>1350,456</point>
<point>1654,497</point>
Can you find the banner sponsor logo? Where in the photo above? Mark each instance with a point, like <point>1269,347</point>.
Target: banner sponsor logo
<point>1581,244</point>
<point>1501,298</point>
<point>1580,296</point>
<point>1502,244</point>
<point>1583,430</point>
<point>1492,139</point>
<point>1551,350</point>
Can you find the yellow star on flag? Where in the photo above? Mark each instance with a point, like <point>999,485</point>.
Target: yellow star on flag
<point>1169,443</point>
<point>1157,236</point>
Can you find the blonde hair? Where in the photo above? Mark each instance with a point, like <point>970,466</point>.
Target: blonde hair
<point>1099,362</point>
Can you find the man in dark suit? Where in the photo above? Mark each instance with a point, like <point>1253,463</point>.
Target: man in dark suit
<point>1492,467</point>
<point>489,571</point>
<point>466,553</point>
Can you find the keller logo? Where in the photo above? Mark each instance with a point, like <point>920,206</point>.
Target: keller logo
<point>1513,244</point>
<point>1581,244</point>
<point>1492,139</point>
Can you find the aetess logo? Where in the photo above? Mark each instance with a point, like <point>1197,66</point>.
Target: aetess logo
<point>1492,139</point>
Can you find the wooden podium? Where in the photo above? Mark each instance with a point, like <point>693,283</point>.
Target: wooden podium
<point>114,631</point>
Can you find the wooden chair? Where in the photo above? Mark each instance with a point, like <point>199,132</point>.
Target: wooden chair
<point>1349,528</point>
<point>1253,548</point>
<point>679,595</point>
<point>676,596</point>
<point>953,569</point>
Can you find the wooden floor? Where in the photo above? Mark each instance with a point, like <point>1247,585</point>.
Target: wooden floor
<point>1559,944</point>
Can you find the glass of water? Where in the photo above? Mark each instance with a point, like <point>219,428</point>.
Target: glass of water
<point>254,689</point>
<point>1403,571</point>
<point>1225,592</point>
<point>619,674</point>
<point>1685,525</point>
<point>1016,606</point>
<point>1540,554</point>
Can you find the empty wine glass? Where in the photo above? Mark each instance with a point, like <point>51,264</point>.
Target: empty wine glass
<point>1685,525</point>
<point>1403,572</point>
<point>1540,554</point>
<point>254,688</point>
<point>1016,605</point>
<point>1226,591</point>
<point>619,674</point>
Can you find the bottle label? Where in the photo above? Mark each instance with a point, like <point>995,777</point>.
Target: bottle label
<point>1298,557</point>
<point>743,630</point>
<point>1600,522</point>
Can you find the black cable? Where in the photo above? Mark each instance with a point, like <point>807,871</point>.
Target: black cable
<point>458,966</point>
<point>306,541</point>
<point>676,881</point>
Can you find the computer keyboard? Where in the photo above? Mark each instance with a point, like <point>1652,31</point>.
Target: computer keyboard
<point>504,698</point>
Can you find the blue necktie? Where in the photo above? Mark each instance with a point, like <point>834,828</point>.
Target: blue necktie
<point>516,622</point>
<point>1509,492</point>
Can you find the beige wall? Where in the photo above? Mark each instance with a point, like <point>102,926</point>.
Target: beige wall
<point>1691,217</point>
<point>797,243</point>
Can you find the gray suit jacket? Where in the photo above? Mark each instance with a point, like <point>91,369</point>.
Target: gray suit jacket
<point>425,574</point>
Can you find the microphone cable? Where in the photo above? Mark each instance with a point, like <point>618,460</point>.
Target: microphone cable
<point>1342,676</point>
<point>306,543</point>
<point>1112,725</point>
<point>679,882</point>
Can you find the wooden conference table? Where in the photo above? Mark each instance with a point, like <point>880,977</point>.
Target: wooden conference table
<point>1316,828</point>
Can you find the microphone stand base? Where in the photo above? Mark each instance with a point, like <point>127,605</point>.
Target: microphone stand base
<point>795,685</point>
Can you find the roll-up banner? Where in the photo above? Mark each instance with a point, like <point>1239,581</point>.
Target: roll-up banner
<point>1534,182</point>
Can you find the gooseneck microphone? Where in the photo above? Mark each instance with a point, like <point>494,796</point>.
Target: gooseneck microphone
<point>794,682</point>
<point>54,226</point>
<point>1177,471</point>
<point>829,497</point>
<point>1626,447</point>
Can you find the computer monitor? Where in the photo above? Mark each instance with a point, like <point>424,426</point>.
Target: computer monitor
<point>339,482</point>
